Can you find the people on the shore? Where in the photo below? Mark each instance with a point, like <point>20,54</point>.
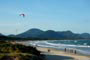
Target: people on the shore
<point>70,50</point>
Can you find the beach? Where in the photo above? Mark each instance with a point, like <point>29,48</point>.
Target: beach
<point>61,55</point>
<point>54,54</point>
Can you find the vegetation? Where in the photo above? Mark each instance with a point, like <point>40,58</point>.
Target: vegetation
<point>11,51</point>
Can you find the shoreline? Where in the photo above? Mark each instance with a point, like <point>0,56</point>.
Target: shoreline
<point>58,53</point>
<point>62,53</point>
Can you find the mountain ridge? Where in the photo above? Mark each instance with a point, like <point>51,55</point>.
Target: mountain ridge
<point>51,34</point>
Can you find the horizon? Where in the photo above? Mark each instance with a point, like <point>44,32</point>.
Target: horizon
<point>58,15</point>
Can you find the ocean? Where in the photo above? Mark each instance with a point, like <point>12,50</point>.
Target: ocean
<point>81,46</point>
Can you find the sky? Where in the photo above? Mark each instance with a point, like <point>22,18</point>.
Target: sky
<point>58,15</point>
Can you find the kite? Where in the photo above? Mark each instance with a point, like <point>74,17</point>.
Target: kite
<point>23,15</point>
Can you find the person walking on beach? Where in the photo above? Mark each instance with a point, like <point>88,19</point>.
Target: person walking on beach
<point>75,52</point>
<point>71,50</point>
<point>65,49</point>
<point>48,50</point>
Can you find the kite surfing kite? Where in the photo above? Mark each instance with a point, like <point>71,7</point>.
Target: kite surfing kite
<point>23,15</point>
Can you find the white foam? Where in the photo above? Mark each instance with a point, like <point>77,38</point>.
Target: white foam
<point>46,43</point>
<point>60,46</point>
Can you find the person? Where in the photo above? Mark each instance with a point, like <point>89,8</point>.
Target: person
<point>75,52</point>
<point>65,50</point>
<point>71,50</point>
<point>48,50</point>
<point>36,45</point>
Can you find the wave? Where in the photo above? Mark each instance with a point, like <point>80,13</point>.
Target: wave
<point>50,44</point>
<point>44,43</point>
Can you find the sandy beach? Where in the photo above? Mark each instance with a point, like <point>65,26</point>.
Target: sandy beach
<point>61,55</point>
<point>58,54</point>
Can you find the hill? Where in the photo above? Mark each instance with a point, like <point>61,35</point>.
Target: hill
<point>51,34</point>
<point>31,33</point>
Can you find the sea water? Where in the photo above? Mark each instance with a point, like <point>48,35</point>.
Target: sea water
<point>81,46</point>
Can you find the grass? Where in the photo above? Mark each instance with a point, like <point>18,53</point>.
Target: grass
<point>18,51</point>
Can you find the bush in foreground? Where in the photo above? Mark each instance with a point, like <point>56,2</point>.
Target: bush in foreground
<point>9,51</point>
